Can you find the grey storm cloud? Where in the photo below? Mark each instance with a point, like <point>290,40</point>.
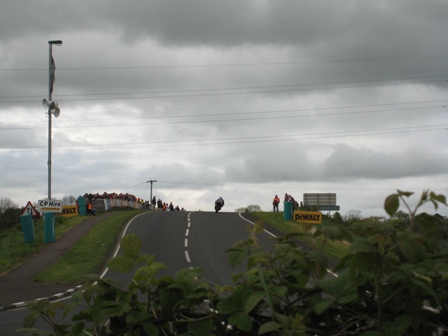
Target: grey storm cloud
<point>243,99</point>
<point>348,162</point>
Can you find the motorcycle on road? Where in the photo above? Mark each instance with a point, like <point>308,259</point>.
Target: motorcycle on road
<point>218,206</point>
<point>219,203</point>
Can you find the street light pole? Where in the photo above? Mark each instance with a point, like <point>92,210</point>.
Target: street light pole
<point>51,69</point>
<point>151,181</point>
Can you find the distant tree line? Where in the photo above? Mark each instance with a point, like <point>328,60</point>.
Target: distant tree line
<point>249,208</point>
<point>9,213</point>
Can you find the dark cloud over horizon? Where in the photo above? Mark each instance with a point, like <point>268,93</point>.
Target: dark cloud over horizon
<point>243,99</point>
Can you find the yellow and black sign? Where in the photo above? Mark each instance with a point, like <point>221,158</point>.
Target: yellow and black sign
<point>69,210</point>
<point>310,217</point>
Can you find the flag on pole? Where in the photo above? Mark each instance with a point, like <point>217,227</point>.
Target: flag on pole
<point>52,69</point>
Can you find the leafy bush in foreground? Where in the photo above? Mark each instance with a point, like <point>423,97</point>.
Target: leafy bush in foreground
<point>392,281</point>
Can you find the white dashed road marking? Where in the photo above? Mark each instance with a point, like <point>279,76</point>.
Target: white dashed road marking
<point>187,256</point>
<point>187,233</point>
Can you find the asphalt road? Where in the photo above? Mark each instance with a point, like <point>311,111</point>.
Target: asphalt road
<point>178,240</point>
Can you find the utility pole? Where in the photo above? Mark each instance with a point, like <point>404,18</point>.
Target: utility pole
<point>52,106</point>
<point>151,181</point>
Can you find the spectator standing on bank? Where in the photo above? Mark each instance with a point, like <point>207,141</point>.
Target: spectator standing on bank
<point>91,209</point>
<point>153,202</point>
<point>275,203</point>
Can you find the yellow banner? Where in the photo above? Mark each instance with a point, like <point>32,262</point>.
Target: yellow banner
<point>69,210</point>
<point>310,217</point>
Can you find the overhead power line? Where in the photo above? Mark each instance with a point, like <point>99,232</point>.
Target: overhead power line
<point>240,90</point>
<point>175,66</point>
<point>273,114</point>
<point>239,140</point>
<point>276,117</point>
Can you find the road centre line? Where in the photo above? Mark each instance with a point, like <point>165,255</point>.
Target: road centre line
<point>187,232</point>
<point>187,256</point>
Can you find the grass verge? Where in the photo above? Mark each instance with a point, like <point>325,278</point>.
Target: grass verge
<point>14,251</point>
<point>89,254</point>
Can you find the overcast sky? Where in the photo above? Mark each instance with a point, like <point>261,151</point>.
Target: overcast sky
<point>239,99</point>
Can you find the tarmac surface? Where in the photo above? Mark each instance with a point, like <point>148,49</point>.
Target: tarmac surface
<point>16,287</point>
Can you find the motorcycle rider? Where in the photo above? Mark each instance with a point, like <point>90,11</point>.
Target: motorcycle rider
<point>220,201</point>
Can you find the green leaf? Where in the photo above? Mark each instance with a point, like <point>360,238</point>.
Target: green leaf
<point>203,327</point>
<point>241,321</point>
<point>339,287</point>
<point>404,193</point>
<point>87,294</point>
<point>150,329</point>
<point>439,198</point>
<point>362,245</point>
<point>241,294</point>
<point>226,306</point>
<point>412,250</point>
<point>252,301</point>
<point>77,328</point>
<point>131,244</point>
<point>423,284</point>
<point>424,196</point>
<point>372,333</point>
<point>322,305</point>
<point>148,271</point>
<point>30,319</point>
<point>269,327</point>
<point>236,256</point>
<point>293,235</point>
<point>188,274</point>
<point>121,264</point>
<point>169,298</point>
<point>348,294</point>
<point>391,204</point>
<point>58,304</point>
<point>442,270</point>
<point>258,227</point>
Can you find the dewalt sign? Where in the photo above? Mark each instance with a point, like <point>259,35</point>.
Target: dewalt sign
<point>310,217</point>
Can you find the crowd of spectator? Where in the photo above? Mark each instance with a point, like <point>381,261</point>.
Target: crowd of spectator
<point>159,204</point>
<point>105,195</point>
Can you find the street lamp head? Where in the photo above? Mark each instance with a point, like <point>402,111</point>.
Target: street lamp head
<point>55,42</point>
